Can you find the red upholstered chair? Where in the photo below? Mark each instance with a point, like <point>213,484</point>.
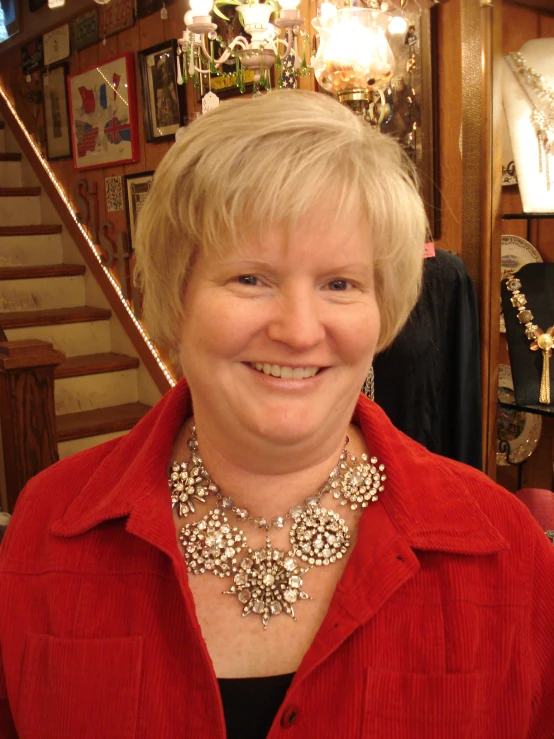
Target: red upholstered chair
<point>541,504</point>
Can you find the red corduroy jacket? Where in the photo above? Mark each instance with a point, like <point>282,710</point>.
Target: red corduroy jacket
<point>441,627</point>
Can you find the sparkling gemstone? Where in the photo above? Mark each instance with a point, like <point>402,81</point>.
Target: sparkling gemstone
<point>246,563</point>
<point>259,555</point>
<point>214,551</point>
<point>240,578</point>
<point>241,513</point>
<point>277,555</point>
<point>183,497</point>
<point>260,522</point>
<point>296,511</point>
<point>229,552</point>
<point>290,596</point>
<point>244,596</point>
<point>179,487</point>
<point>278,522</point>
<point>225,529</point>
<point>259,606</point>
<point>226,502</point>
<point>268,579</point>
<point>331,539</point>
<point>373,460</point>
<point>326,552</point>
<point>295,581</point>
<point>202,525</point>
<point>210,540</point>
<point>312,501</point>
<point>275,608</point>
<point>289,564</point>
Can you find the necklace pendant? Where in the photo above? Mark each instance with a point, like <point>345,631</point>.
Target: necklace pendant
<point>362,484</point>
<point>187,485</point>
<point>268,582</point>
<point>212,545</point>
<point>319,536</point>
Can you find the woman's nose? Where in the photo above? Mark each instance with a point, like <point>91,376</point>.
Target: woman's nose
<point>296,320</point>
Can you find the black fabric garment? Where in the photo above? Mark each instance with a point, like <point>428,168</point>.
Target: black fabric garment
<point>428,380</point>
<point>250,704</point>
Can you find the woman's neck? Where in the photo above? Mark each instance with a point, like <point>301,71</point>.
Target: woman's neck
<point>269,481</point>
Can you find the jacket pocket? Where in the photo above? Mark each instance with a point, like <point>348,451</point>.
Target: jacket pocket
<point>79,688</point>
<point>418,706</point>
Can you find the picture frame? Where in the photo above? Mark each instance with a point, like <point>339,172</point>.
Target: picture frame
<point>55,45</point>
<point>84,30</point>
<point>137,186</point>
<point>32,57</point>
<point>164,102</point>
<point>103,114</point>
<point>56,112</point>
<point>224,84</point>
<point>115,17</point>
<point>11,22</point>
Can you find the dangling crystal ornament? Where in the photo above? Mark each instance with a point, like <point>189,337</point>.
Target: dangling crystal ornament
<point>319,536</point>
<point>268,582</point>
<point>211,545</point>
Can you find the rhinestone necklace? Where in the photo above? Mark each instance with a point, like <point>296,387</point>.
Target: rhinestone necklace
<point>541,99</point>
<point>268,581</point>
<point>543,340</point>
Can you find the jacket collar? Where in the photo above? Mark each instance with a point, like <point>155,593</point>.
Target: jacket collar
<point>425,494</point>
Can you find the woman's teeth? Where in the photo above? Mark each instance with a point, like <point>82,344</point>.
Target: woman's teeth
<point>286,373</point>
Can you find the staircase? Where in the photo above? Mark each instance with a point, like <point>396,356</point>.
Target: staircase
<point>102,389</point>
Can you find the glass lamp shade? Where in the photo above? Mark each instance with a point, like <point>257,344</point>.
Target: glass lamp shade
<point>354,53</point>
<point>201,8</point>
<point>255,19</point>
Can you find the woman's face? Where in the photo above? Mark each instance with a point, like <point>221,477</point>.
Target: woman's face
<point>278,336</point>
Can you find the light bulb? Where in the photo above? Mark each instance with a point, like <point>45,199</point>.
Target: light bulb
<point>201,7</point>
<point>398,24</point>
<point>326,10</point>
<point>56,3</point>
<point>189,18</point>
<point>289,4</point>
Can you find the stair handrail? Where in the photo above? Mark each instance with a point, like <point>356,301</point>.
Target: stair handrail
<point>145,348</point>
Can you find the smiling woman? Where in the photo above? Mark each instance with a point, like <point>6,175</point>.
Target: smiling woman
<point>265,554</point>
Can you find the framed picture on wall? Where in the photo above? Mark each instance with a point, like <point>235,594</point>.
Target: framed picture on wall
<point>56,45</point>
<point>103,114</point>
<point>56,112</point>
<point>164,103</point>
<point>116,16</point>
<point>84,30</point>
<point>32,57</point>
<point>137,187</point>
<point>9,22</point>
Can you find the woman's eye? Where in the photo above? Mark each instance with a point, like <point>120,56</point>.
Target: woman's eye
<point>247,280</point>
<point>339,285</point>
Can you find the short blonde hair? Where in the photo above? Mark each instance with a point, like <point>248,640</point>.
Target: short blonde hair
<point>252,164</point>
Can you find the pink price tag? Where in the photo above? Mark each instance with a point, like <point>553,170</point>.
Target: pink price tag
<point>429,250</point>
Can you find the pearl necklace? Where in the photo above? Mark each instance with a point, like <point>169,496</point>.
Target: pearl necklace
<point>541,99</point>
<point>268,581</point>
<point>540,340</point>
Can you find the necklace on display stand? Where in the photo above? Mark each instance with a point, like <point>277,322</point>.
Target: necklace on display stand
<point>541,99</point>
<point>540,340</point>
<point>268,581</point>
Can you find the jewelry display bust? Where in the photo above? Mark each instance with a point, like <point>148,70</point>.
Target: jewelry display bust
<point>525,95</point>
<point>537,285</point>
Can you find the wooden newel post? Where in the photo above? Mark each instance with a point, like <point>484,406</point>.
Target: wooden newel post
<point>27,414</point>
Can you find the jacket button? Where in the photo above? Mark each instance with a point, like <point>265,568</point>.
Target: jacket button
<point>290,714</point>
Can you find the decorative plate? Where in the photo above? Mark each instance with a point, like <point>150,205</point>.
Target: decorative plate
<point>516,252</point>
<point>518,433</point>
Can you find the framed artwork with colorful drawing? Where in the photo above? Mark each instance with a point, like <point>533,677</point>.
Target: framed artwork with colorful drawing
<point>103,111</point>
<point>137,187</point>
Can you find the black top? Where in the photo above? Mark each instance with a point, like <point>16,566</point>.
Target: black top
<point>250,704</point>
<point>428,380</point>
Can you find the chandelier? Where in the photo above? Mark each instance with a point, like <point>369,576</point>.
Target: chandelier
<point>256,50</point>
<point>354,60</point>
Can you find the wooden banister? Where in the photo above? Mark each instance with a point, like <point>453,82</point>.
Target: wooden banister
<point>27,413</point>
